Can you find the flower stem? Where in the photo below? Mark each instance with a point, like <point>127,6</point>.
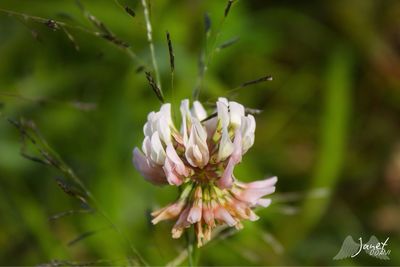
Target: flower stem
<point>190,248</point>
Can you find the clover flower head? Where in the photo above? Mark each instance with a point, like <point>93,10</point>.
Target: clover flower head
<point>200,159</point>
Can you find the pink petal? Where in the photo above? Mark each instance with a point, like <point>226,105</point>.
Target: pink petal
<point>194,214</point>
<point>182,223</point>
<point>252,216</point>
<point>208,214</point>
<point>264,202</point>
<point>226,180</point>
<point>252,195</point>
<point>172,177</point>
<point>151,172</point>
<point>222,214</point>
<point>196,209</point>
<point>179,165</point>
<point>168,212</point>
<point>260,184</point>
<point>210,126</point>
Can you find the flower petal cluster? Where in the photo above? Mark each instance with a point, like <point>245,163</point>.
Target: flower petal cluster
<point>200,158</point>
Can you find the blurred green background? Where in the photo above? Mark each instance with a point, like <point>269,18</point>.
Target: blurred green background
<point>330,127</point>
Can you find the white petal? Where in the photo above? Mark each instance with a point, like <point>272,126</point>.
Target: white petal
<point>157,150</point>
<point>223,100</point>
<point>201,132</point>
<point>197,152</point>
<point>225,146</point>
<point>248,128</point>
<point>223,114</point>
<point>164,130</point>
<point>165,111</point>
<point>146,146</point>
<point>165,123</point>
<point>226,179</point>
<point>210,126</point>
<point>148,129</point>
<point>198,111</point>
<point>236,112</point>
<point>185,119</point>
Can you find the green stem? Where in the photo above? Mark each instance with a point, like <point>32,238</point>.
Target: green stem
<point>190,248</point>
<point>63,25</point>
<point>151,44</point>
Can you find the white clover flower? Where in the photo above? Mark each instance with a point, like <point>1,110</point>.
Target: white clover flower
<point>201,158</point>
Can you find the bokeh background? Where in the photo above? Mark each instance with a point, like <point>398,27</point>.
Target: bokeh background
<point>330,127</point>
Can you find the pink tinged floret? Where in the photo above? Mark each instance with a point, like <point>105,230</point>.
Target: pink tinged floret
<point>170,212</point>
<point>172,177</point>
<point>226,180</point>
<point>197,153</point>
<point>174,168</point>
<point>253,192</point>
<point>260,184</point>
<point>194,214</point>
<point>264,202</point>
<point>253,216</point>
<point>181,223</point>
<point>196,209</point>
<point>150,171</point>
<point>222,214</point>
<point>199,233</point>
<point>208,214</point>
<point>252,196</point>
<point>210,126</point>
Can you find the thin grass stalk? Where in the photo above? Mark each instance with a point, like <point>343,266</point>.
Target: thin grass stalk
<point>208,54</point>
<point>63,25</point>
<point>151,44</point>
<point>52,158</point>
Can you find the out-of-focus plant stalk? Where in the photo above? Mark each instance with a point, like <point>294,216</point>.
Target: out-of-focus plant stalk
<point>150,40</point>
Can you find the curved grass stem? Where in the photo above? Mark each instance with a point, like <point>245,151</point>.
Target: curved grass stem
<point>56,24</point>
<point>151,44</point>
<point>208,54</point>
